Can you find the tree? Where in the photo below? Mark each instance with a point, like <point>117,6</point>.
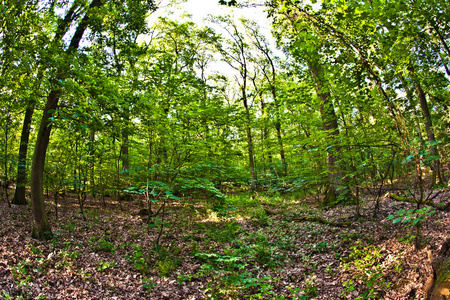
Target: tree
<point>41,66</point>
<point>236,54</point>
<point>93,14</point>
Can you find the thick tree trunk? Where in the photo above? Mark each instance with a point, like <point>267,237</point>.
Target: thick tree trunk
<point>41,226</point>
<point>329,121</point>
<point>19,194</point>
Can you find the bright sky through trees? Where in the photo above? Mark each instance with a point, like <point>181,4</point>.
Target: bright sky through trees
<point>199,11</point>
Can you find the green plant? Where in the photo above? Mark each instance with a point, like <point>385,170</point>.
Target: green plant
<point>70,227</point>
<point>85,275</point>
<point>224,235</point>
<point>67,257</point>
<point>349,287</point>
<point>310,289</point>
<point>148,285</point>
<point>369,271</point>
<point>167,265</point>
<point>413,218</point>
<point>35,250</point>
<point>185,277</point>
<point>71,255</point>
<point>218,261</point>
<point>329,270</point>
<point>243,285</point>
<point>398,267</point>
<point>102,244</point>
<point>5,295</point>
<point>138,260</point>
<point>320,247</point>
<point>104,265</point>
<point>309,261</point>
<point>20,271</point>
<point>260,216</point>
<point>308,292</point>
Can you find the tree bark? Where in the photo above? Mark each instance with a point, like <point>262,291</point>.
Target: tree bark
<point>329,121</point>
<point>41,227</point>
<point>125,154</point>
<point>19,194</point>
<point>430,132</point>
<point>249,142</point>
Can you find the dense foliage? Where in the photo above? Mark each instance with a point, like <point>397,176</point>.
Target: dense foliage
<point>97,101</point>
<point>362,93</point>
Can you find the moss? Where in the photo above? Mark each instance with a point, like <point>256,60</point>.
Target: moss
<point>443,271</point>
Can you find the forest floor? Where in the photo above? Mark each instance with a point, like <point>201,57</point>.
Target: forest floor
<point>244,250</point>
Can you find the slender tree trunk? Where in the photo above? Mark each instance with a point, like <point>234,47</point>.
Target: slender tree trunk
<point>447,70</point>
<point>19,194</point>
<point>124,154</point>
<point>272,80</point>
<point>281,147</point>
<point>249,141</point>
<point>278,120</point>
<point>92,165</point>
<point>430,133</point>
<point>265,145</point>
<point>5,154</point>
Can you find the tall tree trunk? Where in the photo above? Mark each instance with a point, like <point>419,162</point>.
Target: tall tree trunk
<point>125,165</point>
<point>19,194</point>
<point>280,145</point>
<point>329,121</point>
<point>40,226</point>
<point>248,130</point>
<point>124,154</point>
<point>278,120</point>
<point>92,164</point>
<point>430,132</point>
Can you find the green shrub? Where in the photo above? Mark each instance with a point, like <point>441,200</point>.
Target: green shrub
<point>138,260</point>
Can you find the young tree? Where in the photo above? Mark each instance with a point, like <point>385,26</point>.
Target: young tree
<point>236,53</point>
<point>268,67</point>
